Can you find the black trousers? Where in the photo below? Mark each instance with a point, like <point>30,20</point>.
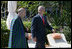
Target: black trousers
<point>40,44</point>
<point>27,42</point>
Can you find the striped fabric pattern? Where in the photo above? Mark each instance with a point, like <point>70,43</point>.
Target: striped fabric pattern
<point>17,34</point>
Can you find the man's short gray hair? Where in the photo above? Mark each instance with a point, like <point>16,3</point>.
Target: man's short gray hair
<point>21,9</point>
<point>41,8</point>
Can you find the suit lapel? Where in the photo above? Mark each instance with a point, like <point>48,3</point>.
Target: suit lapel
<point>40,19</point>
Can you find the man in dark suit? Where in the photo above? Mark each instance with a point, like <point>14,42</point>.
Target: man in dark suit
<point>38,28</point>
<point>17,38</point>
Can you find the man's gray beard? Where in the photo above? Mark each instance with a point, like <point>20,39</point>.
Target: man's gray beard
<point>22,19</point>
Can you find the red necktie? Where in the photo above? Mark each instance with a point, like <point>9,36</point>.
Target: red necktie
<point>43,20</point>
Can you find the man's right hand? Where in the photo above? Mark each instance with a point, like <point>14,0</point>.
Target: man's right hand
<point>34,39</point>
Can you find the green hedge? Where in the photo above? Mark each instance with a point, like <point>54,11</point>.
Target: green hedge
<point>67,33</point>
<point>27,24</point>
<point>4,34</point>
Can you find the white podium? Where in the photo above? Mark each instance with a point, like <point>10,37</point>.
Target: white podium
<point>58,43</point>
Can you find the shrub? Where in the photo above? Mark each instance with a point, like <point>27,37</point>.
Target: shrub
<point>4,34</point>
<point>27,24</point>
<point>67,33</point>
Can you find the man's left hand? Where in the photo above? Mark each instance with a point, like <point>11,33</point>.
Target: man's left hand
<point>29,36</point>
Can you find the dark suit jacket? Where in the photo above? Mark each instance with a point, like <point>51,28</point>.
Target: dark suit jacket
<point>17,37</point>
<point>38,29</point>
